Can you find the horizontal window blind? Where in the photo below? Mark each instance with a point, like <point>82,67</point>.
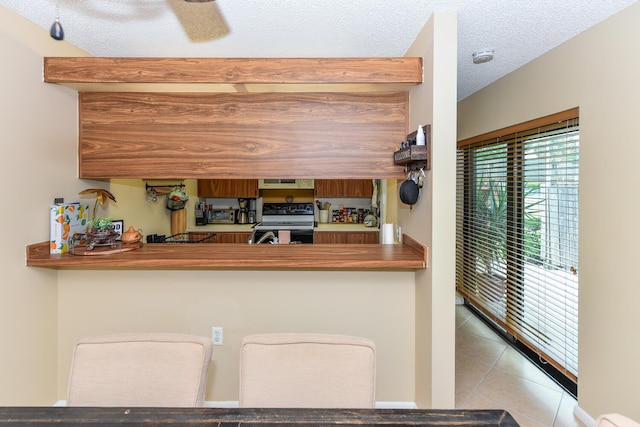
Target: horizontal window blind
<point>517,233</point>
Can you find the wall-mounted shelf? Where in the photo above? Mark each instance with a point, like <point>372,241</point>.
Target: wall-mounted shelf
<point>415,157</point>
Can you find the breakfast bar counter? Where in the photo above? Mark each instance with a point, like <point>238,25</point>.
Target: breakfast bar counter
<point>408,256</point>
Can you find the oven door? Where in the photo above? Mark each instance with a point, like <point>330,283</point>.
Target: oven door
<point>297,236</point>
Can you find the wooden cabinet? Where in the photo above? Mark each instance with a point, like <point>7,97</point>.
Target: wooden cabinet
<point>343,188</point>
<point>228,188</point>
<point>204,237</point>
<point>232,237</point>
<point>346,237</point>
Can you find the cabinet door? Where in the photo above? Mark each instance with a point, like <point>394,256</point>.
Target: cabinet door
<point>204,237</point>
<point>348,237</point>
<point>323,237</point>
<point>240,188</point>
<point>232,237</point>
<point>343,188</point>
<point>362,237</point>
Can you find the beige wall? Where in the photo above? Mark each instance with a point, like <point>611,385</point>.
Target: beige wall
<point>37,163</point>
<point>43,312</point>
<point>377,305</point>
<point>598,71</point>
<point>432,219</point>
<point>132,206</point>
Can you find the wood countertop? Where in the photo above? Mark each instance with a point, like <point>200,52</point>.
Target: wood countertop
<point>411,255</point>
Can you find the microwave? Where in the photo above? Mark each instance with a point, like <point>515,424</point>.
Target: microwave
<point>221,216</point>
<point>299,184</point>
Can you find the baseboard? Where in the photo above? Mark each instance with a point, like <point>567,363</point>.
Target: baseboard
<point>221,404</point>
<point>584,418</point>
<point>379,405</point>
<point>396,405</point>
<point>235,404</point>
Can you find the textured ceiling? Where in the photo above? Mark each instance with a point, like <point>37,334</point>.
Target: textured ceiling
<point>518,30</point>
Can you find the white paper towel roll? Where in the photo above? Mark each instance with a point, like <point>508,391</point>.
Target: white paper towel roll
<point>387,234</point>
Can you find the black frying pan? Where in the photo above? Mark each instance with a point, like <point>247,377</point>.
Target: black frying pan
<point>409,190</point>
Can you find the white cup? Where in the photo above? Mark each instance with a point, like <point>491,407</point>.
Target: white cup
<point>324,215</point>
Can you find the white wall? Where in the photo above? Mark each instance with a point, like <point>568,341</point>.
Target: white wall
<point>432,219</point>
<point>37,163</point>
<point>598,71</point>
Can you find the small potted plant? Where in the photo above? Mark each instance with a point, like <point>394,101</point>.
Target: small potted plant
<point>100,231</point>
<point>101,224</point>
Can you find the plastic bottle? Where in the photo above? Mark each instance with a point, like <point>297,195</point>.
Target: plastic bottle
<point>420,136</point>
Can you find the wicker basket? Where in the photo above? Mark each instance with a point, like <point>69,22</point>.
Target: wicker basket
<point>175,205</point>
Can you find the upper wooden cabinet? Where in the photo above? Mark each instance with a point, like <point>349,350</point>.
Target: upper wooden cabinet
<point>240,135</point>
<point>228,188</point>
<point>343,188</point>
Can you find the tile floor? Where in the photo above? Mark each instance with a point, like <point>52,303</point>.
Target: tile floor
<point>492,375</point>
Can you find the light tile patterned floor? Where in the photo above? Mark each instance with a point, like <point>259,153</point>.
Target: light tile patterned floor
<point>492,375</point>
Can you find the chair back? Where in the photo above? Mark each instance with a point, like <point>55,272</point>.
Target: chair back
<point>307,371</point>
<point>615,420</point>
<point>148,369</point>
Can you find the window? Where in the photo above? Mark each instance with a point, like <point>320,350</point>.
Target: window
<point>517,234</point>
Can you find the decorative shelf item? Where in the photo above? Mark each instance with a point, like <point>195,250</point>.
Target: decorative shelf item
<point>153,191</point>
<point>105,249</point>
<point>415,157</point>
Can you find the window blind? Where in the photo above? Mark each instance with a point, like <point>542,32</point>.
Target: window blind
<point>517,233</point>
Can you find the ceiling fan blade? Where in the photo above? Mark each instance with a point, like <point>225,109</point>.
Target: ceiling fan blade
<point>201,19</point>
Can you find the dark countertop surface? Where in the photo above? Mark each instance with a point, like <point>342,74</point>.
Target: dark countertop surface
<point>74,416</point>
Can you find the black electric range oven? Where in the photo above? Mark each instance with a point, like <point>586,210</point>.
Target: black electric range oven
<point>296,218</point>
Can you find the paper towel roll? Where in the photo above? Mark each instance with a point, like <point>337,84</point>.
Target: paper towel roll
<point>387,234</point>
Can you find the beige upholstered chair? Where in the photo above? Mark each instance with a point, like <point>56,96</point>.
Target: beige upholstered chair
<point>307,370</point>
<point>148,369</point>
<point>615,420</point>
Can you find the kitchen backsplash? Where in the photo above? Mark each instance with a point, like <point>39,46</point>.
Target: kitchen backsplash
<point>341,208</point>
<point>347,210</point>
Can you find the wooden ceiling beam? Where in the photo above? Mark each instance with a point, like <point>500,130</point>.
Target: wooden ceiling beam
<point>227,74</point>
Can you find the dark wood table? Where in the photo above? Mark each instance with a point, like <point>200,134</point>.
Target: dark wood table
<point>223,417</point>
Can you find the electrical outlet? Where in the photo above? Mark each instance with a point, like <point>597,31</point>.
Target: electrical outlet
<point>216,335</point>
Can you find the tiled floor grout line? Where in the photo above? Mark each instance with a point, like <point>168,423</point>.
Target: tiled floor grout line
<point>486,374</point>
<point>493,366</point>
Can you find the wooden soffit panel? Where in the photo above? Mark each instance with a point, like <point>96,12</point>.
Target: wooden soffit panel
<point>87,74</point>
<point>241,135</point>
